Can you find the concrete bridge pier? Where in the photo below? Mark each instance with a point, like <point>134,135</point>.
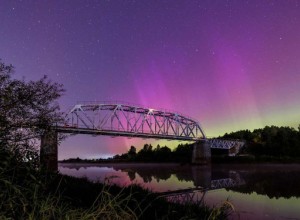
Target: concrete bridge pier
<point>48,151</point>
<point>201,153</point>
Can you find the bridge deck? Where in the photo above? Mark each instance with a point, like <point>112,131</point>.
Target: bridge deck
<point>74,130</point>
<point>213,143</point>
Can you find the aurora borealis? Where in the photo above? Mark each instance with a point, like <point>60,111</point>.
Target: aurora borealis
<point>230,64</point>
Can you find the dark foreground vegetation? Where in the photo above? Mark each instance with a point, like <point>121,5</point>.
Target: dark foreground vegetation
<point>28,191</point>
<point>31,193</point>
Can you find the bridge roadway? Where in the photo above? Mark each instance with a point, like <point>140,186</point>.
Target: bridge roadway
<point>213,143</point>
<point>75,130</point>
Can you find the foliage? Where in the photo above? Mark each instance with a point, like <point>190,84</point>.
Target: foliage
<point>272,141</point>
<point>142,203</point>
<point>27,109</point>
<point>181,154</point>
<point>31,194</point>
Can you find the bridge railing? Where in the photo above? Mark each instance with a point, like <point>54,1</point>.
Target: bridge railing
<point>133,105</point>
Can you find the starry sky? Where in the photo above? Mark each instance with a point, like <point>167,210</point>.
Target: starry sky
<point>230,64</point>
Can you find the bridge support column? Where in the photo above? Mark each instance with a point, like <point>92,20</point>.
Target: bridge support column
<point>201,153</point>
<point>48,151</point>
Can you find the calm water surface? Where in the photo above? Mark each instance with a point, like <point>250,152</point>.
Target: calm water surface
<point>264,191</point>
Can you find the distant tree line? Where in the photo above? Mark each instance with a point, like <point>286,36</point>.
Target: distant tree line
<point>270,141</point>
<point>181,154</point>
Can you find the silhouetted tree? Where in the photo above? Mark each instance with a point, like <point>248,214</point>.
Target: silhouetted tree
<point>183,153</point>
<point>132,153</point>
<point>163,154</point>
<point>27,110</point>
<point>157,147</point>
<point>145,154</point>
<point>132,150</point>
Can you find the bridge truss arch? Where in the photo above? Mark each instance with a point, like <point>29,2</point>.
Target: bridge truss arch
<point>131,121</point>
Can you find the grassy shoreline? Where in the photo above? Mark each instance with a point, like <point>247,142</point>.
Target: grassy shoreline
<point>143,203</point>
<point>32,193</point>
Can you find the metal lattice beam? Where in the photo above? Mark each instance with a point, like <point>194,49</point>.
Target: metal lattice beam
<point>132,121</point>
<point>224,144</point>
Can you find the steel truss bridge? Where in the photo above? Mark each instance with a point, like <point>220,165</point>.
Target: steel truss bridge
<point>129,120</point>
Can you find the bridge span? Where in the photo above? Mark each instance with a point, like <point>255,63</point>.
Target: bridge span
<point>131,121</point>
<point>115,119</point>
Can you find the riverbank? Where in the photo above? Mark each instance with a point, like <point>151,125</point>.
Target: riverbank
<point>141,202</point>
<point>35,194</point>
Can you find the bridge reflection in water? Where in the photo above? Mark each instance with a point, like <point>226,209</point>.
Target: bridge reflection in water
<point>257,191</point>
<point>203,181</point>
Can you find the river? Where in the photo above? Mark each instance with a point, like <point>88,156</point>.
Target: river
<point>257,191</point>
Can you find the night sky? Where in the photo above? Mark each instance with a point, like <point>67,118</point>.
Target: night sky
<point>231,64</point>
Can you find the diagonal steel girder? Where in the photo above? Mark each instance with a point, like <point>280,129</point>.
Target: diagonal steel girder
<point>131,120</point>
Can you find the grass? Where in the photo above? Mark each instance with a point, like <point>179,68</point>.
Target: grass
<point>36,200</point>
<point>30,193</point>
